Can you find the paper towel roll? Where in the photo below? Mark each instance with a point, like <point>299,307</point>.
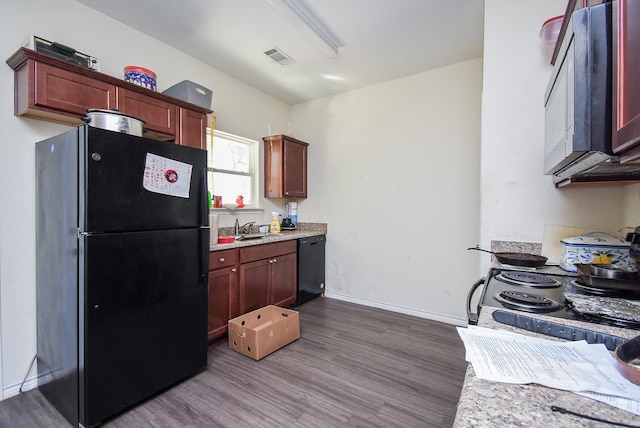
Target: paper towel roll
<point>213,228</point>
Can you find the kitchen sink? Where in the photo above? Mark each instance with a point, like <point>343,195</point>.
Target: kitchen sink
<point>251,236</point>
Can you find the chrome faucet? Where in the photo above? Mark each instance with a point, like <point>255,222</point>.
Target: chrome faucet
<point>246,228</point>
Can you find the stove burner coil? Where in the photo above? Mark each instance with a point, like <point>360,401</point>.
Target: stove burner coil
<point>526,301</point>
<point>528,279</point>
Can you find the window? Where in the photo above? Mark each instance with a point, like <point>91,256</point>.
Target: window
<point>232,169</point>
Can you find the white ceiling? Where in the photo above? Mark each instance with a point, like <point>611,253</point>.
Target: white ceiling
<point>383,39</point>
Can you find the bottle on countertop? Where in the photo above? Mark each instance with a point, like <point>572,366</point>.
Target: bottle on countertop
<point>275,223</point>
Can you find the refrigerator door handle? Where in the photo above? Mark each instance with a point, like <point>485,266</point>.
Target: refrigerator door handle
<point>204,257</point>
<point>203,203</point>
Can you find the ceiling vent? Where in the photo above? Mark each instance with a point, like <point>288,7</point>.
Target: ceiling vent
<point>278,56</point>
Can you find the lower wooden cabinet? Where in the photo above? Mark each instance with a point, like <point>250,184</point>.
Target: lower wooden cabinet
<point>267,275</point>
<point>284,279</point>
<point>245,279</point>
<point>223,291</point>
<point>254,289</point>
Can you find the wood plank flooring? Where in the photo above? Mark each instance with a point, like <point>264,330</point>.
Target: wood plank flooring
<point>354,366</point>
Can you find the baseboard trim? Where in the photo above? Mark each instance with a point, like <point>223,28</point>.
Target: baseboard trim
<point>14,389</point>
<point>400,309</point>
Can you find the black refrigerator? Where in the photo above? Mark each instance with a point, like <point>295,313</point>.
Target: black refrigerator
<point>122,243</point>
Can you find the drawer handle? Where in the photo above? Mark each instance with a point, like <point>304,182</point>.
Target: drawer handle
<point>221,259</point>
<point>234,270</point>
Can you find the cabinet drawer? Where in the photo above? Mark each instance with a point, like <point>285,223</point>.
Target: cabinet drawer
<point>223,259</point>
<point>264,251</point>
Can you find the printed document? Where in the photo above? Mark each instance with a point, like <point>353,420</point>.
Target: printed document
<point>588,369</point>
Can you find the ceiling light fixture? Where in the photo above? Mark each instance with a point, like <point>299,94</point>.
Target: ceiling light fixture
<point>307,21</point>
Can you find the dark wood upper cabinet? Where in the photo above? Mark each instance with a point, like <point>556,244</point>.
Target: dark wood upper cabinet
<point>159,115</point>
<point>626,75</point>
<point>58,91</point>
<point>193,129</point>
<point>285,167</point>
<point>58,95</point>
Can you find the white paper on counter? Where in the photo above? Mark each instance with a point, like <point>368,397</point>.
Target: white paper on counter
<point>627,404</point>
<point>508,357</point>
<point>167,176</point>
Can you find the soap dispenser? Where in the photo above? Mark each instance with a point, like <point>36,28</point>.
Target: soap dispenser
<point>275,223</point>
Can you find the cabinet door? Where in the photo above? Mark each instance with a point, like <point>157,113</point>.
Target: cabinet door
<point>223,300</point>
<point>193,129</point>
<point>626,72</point>
<point>254,285</point>
<point>159,115</point>
<point>295,170</point>
<point>283,280</point>
<point>285,167</point>
<point>63,91</point>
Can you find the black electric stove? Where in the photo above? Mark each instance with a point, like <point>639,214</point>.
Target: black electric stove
<point>542,293</point>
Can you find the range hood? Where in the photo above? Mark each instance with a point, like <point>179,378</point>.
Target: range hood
<point>597,167</point>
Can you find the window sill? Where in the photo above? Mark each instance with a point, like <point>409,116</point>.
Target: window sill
<point>235,211</point>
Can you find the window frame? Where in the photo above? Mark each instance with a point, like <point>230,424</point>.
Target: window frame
<point>254,168</point>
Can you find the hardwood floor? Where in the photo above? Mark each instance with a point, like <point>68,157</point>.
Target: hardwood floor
<point>354,366</point>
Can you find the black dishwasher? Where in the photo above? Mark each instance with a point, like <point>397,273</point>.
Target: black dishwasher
<point>310,268</point>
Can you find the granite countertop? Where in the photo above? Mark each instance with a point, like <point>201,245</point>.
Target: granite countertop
<point>304,230</point>
<point>493,404</point>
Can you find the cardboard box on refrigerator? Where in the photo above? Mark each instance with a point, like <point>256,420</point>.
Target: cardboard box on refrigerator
<point>259,333</point>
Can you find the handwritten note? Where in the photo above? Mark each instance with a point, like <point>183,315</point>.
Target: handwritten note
<point>167,176</point>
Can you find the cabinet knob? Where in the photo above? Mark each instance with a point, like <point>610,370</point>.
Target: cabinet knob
<point>221,259</point>
<point>233,270</point>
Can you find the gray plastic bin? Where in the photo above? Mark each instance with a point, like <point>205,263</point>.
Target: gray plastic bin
<point>191,92</point>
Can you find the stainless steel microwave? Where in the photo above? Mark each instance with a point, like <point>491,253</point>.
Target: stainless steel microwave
<point>578,104</point>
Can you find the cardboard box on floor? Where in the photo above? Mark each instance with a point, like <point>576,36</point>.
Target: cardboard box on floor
<point>257,334</point>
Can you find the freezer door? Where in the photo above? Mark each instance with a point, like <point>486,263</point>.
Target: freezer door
<point>133,183</point>
<point>144,324</point>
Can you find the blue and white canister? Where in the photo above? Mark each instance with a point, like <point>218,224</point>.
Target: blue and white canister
<point>584,249</point>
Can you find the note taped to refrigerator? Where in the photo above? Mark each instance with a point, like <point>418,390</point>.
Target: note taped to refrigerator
<point>167,176</point>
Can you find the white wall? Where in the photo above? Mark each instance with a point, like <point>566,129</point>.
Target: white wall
<point>393,169</point>
<point>631,213</point>
<point>517,201</point>
<point>239,109</point>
